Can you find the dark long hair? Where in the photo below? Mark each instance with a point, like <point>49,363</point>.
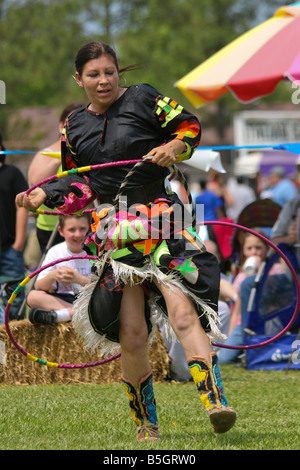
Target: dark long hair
<point>94,50</point>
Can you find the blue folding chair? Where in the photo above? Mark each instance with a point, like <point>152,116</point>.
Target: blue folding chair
<point>271,306</point>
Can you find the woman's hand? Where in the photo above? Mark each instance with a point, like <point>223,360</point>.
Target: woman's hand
<point>33,200</point>
<point>165,155</point>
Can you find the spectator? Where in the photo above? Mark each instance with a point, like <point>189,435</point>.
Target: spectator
<point>217,185</point>
<point>281,188</point>
<point>13,228</point>
<point>57,286</point>
<point>285,230</point>
<point>208,204</point>
<point>253,252</point>
<point>242,195</point>
<point>40,168</point>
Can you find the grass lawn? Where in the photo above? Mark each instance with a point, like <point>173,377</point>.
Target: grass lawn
<point>97,417</point>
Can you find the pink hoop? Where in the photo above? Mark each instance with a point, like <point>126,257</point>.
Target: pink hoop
<point>231,224</point>
<point>22,350</point>
<point>75,171</point>
<point>272,245</point>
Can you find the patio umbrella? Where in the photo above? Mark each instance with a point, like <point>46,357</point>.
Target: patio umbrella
<point>252,65</point>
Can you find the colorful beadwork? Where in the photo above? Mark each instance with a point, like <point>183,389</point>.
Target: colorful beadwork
<point>143,407</point>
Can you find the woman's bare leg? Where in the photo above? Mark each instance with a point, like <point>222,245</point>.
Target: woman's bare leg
<point>133,335</point>
<point>185,322</point>
<point>202,361</point>
<point>136,370</point>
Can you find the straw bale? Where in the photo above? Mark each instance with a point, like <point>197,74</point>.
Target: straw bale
<point>59,344</point>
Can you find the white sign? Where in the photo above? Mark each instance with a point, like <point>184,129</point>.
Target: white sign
<point>268,128</point>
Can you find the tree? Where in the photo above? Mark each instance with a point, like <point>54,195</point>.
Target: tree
<point>38,42</point>
<point>172,37</point>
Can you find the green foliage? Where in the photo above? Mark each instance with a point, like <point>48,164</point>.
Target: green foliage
<point>39,40</point>
<point>38,43</point>
<point>91,417</point>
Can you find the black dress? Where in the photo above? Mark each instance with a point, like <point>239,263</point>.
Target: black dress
<point>149,236</point>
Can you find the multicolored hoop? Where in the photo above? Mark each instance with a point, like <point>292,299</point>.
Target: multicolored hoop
<point>294,275</point>
<point>82,169</point>
<point>109,359</point>
<point>21,349</point>
<point>73,366</point>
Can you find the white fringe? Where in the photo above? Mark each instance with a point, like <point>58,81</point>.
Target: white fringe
<point>129,274</point>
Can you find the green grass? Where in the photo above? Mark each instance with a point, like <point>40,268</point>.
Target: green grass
<point>96,417</point>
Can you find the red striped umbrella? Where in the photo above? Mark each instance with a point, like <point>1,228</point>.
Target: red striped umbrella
<point>252,65</point>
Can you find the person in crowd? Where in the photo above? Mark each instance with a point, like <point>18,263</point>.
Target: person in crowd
<point>57,286</point>
<point>217,184</point>
<point>286,231</point>
<point>13,230</point>
<point>208,204</point>
<point>113,313</point>
<point>242,195</point>
<point>41,167</point>
<point>253,253</point>
<point>286,227</point>
<point>281,189</point>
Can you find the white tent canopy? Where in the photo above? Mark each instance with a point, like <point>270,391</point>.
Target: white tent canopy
<point>262,162</point>
<point>247,165</point>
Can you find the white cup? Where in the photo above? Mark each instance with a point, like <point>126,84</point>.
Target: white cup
<point>250,265</point>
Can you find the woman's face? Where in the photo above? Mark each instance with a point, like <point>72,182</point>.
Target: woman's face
<point>254,246</point>
<point>100,80</point>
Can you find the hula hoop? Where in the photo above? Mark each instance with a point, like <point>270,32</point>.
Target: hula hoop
<point>21,349</point>
<point>111,358</point>
<point>82,169</point>
<point>28,278</point>
<point>293,272</point>
<point>231,224</point>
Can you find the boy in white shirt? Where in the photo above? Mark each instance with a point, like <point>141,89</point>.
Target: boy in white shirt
<point>56,287</point>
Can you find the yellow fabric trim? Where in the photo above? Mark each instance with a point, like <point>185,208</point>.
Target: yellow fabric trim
<point>185,155</point>
<point>171,113</point>
<point>44,221</point>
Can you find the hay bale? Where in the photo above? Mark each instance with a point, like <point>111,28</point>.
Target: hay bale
<point>59,343</point>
